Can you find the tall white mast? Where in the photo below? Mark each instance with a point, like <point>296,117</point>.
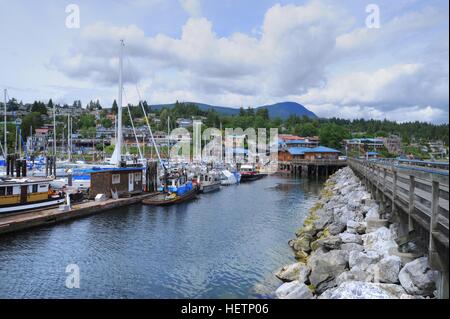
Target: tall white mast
<point>69,135</point>
<point>5,145</point>
<point>54,130</point>
<point>119,106</point>
<point>168,138</point>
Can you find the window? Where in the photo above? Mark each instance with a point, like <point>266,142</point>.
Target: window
<point>35,188</point>
<point>2,191</point>
<point>137,177</point>
<point>9,190</point>
<point>116,179</point>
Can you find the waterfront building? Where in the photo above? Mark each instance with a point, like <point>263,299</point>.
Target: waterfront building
<point>125,181</point>
<point>372,155</point>
<point>184,123</point>
<point>308,154</point>
<point>363,145</point>
<point>286,141</point>
<point>393,144</point>
<point>438,149</point>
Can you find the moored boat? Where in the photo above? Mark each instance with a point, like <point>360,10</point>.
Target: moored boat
<point>209,182</point>
<point>27,193</point>
<point>166,199</point>
<point>229,178</point>
<point>249,173</point>
<point>175,189</point>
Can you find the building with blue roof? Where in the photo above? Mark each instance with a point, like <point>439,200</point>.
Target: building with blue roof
<point>365,144</point>
<point>307,153</point>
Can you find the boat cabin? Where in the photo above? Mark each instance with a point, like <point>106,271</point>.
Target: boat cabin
<point>247,168</point>
<point>121,181</point>
<point>27,193</point>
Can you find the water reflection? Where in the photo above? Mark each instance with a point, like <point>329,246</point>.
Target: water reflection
<point>224,245</point>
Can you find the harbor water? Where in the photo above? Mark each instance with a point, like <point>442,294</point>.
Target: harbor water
<point>226,244</point>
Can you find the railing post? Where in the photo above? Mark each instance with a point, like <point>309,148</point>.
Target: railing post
<point>434,213</point>
<point>433,255</point>
<point>394,190</point>
<point>412,188</point>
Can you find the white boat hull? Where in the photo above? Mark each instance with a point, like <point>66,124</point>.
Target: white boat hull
<point>210,188</point>
<point>31,206</point>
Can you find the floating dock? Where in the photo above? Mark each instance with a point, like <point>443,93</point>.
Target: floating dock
<point>16,222</point>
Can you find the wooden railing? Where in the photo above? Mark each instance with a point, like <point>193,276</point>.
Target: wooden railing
<point>421,192</point>
<point>319,162</point>
<point>414,163</point>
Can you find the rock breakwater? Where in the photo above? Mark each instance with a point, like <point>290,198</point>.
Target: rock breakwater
<point>341,255</point>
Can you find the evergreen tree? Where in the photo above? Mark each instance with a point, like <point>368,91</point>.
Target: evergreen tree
<point>115,108</point>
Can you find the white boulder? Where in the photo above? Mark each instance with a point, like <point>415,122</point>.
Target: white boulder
<point>418,278</point>
<point>294,290</point>
<point>363,260</point>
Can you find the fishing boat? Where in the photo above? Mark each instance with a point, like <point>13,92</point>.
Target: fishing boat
<point>164,199</point>
<point>209,182</point>
<point>249,173</point>
<point>27,193</point>
<point>176,189</point>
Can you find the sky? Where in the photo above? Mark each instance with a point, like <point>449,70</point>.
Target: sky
<point>321,54</point>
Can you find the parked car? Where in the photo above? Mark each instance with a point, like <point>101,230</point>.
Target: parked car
<point>342,158</point>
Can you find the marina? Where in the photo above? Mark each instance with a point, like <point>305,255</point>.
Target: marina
<point>225,244</point>
<point>187,149</point>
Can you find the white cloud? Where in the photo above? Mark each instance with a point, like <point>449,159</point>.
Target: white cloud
<point>192,7</point>
<point>146,3</point>
<point>290,57</point>
<point>366,41</point>
<point>401,114</point>
<point>386,88</point>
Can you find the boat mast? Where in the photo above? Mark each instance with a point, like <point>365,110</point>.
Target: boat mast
<point>69,135</point>
<point>31,141</point>
<point>5,145</point>
<point>168,139</point>
<point>119,115</point>
<point>54,130</point>
<point>20,141</point>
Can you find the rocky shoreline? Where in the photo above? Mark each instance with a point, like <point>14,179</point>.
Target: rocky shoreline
<point>345,252</point>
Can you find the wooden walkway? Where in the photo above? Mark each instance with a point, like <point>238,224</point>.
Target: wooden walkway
<point>420,195</point>
<point>16,222</point>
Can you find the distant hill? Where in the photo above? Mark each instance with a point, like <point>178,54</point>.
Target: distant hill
<point>285,109</point>
<point>282,110</point>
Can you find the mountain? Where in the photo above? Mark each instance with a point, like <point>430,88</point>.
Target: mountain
<point>282,110</point>
<point>204,107</point>
<point>285,109</point>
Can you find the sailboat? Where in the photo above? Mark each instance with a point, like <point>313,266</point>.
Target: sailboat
<point>81,173</point>
<point>5,142</point>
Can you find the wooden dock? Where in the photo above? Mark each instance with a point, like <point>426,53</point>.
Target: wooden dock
<point>17,222</point>
<point>417,197</point>
<point>311,168</point>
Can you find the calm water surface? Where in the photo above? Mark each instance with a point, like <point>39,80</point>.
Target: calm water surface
<point>223,245</point>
